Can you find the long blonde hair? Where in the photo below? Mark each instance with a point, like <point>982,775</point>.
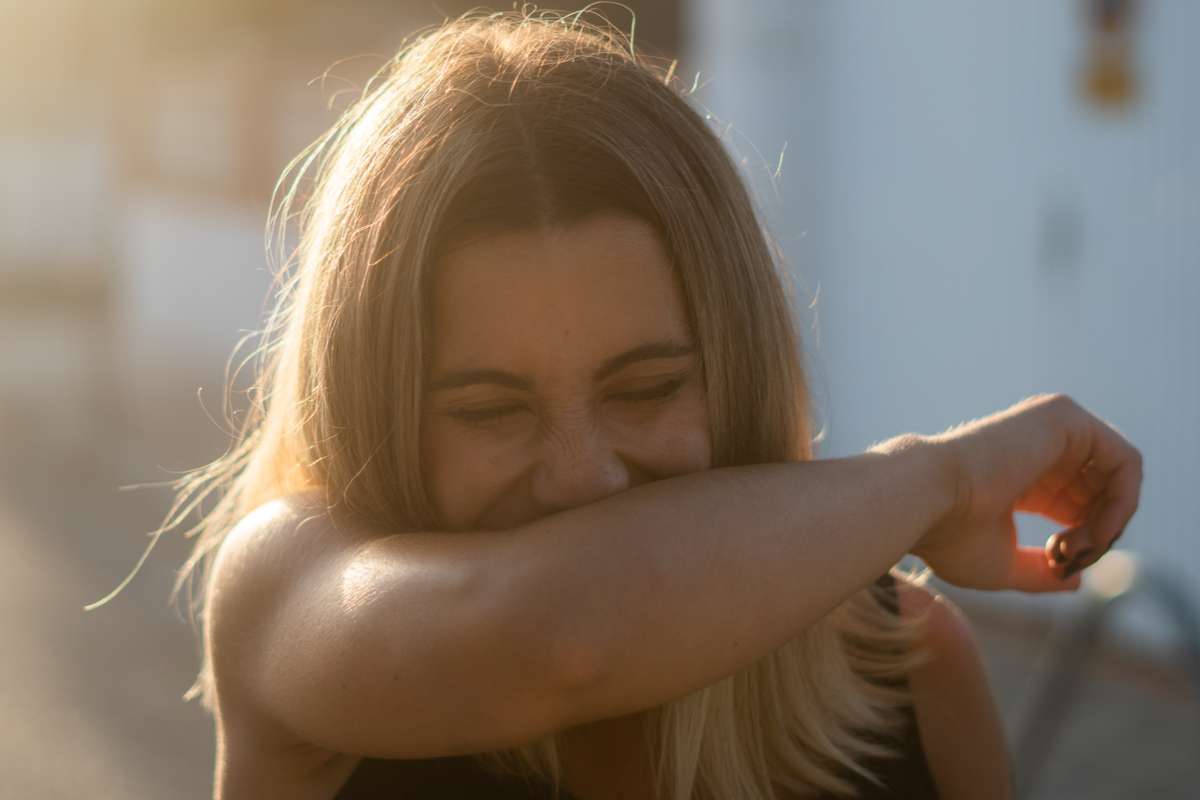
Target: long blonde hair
<point>519,120</point>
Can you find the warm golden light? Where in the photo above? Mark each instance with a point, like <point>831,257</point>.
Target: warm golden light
<point>1113,575</point>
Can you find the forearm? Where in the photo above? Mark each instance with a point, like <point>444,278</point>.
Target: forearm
<point>672,585</point>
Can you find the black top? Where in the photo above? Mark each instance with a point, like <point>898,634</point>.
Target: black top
<point>907,776</point>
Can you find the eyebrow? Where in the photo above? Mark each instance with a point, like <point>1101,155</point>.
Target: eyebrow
<point>644,352</point>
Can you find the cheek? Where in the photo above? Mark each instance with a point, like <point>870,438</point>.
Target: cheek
<point>464,471</point>
<point>698,436</point>
<point>693,447</point>
<point>680,442</point>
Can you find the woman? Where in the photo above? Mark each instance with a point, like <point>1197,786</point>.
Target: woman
<point>527,497</point>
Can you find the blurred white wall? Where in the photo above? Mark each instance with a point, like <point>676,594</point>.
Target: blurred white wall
<point>977,232</point>
<point>194,280</point>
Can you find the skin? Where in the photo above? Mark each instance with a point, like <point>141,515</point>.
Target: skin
<point>498,454</point>
<point>960,727</point>
<point>523,420</point>
<point>565,408</point>
<point>572,608</point>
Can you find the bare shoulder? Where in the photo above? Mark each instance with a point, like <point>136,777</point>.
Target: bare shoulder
<point>960,727</point>
<point>264,554</point>
<point>271,546</point>
<point>279,544</point>
<point>265,536</point>
<point>263,551</point>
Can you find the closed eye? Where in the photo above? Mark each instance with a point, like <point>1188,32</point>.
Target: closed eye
<point>479,416</point>
<point>493,415</point>
<point>661,391</point>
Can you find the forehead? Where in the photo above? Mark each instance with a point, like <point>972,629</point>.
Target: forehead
<point>537,300</point>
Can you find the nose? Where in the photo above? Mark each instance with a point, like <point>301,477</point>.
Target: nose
<point>578,465</point>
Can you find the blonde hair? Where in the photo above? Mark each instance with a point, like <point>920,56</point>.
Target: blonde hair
<point>519,120</point>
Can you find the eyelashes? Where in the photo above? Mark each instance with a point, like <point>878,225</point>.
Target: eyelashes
<point>493,415</point>
<point>659,392</point>
<point>478,416</point>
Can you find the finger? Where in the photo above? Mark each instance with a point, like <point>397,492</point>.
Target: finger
<point>1066,543</point>
<point>1092,478</point>
<point>1115,507</point>
<point>1042,496</point>
<point>1075,543</point>
<point>1111,452</point>
<point>1056,549</point>
<point>1031,572</point>
<point>1084,489</point>
<point>1067,508</point>
<point>1064,493</point>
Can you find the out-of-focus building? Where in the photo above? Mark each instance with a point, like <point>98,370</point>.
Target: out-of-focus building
<point>140,149</point>
<point>976,228</point>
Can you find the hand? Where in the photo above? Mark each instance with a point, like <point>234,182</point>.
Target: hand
<point>1045,455</point>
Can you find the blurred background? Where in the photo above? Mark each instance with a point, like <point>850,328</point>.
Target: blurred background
<point>977,202</point>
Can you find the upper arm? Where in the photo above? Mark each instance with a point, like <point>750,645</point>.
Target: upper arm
<point>392,646</point>
<point>960,727</point>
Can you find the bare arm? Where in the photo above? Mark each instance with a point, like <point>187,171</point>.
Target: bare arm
<point>421,644</point>
<point>672,585</point>
<point>960,728</point>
